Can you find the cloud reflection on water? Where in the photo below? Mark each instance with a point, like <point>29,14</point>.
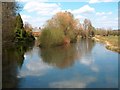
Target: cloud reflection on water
<point>82,83</point>
<point>33,65</point>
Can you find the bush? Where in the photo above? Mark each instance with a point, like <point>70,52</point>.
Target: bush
<point>71,34</point>
<point>51,37</point>
<point>22,36</point>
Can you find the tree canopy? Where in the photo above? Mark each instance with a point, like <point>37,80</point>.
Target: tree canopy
<point>21,34</point>
<point>19,22</point>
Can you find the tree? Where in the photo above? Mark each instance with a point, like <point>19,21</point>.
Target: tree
<point>19,22</point>
<point>88,29</point>
<point>66,22</point>
<point>19,30</point>
<point>86,24</point>
<point>23,33</point>
<point>9,11</point>
<point>50,38</point>
<point>28,28</point>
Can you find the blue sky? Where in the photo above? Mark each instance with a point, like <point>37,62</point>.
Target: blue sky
<point>102,13</point>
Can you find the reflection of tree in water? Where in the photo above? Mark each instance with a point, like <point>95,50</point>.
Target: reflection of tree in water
<point>12,60</point>
<point>63,57</point>
<point>59,56</point>
<point>86,46</point>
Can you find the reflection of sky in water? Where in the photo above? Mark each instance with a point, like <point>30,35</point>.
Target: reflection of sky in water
<point>97,67</point>
<point>78,83</point>
<point>33,65</point>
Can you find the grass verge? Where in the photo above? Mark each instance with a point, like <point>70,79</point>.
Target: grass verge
<point>112,42</point>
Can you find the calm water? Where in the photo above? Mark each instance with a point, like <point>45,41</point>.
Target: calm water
<point>86,64</point>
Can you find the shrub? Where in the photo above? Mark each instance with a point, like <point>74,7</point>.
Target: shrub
<point>51,37</point>
<point>71,34</point>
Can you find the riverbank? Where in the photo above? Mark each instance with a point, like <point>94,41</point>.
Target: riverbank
<point>110,41</point>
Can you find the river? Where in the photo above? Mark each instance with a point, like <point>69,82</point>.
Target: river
<point>85,64</point>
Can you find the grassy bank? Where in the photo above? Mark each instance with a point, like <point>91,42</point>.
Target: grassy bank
<point>110,41</point>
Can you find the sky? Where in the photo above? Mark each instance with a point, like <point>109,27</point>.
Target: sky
<point>102,13</point>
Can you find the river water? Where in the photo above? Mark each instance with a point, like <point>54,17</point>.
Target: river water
<point>85,64</point>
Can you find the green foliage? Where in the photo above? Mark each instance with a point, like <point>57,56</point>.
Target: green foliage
<point>62,25</point>
<point>19,28</point>
<point>88,30</point>
<point>50,38</point>
<point>103,32</point>
<point>19,22</point>
<point>20,33</point>
<point>71,34</point>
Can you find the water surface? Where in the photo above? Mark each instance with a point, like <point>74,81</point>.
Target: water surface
<point>85,64</point>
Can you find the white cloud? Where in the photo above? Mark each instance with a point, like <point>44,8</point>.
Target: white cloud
<point>40,12</point>
<point>35,21</point>
<point>37,13</point>
<point>44,11</point>
<point>106,21</point>
<point>42,8</point>
<point>109,13</point>
<point>100,13</point>
<point>22,0</point>
<point>39,22</point>
<point>89,1</point>
<point>97,1</point>
<point>93,1</point>
<point>32,0</point>
<point>116,19</point>
<point>84,9</point>
<point>80,17</point>
<point>103,13</point>
<point>25,17</point>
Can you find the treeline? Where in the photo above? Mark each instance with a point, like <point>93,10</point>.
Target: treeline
<point>63,29</point>
<point>106,32</point>
<point>12,24</point>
